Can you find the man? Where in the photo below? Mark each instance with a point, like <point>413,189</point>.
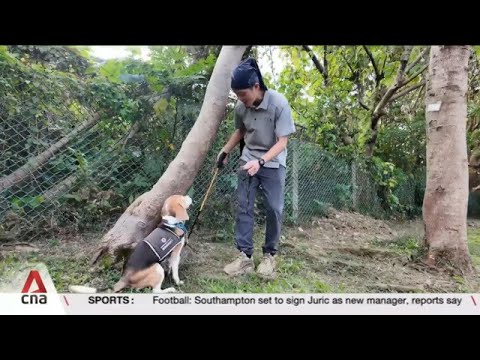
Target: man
<point>263,120</point>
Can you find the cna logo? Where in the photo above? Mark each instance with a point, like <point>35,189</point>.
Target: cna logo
<point>32,288</point>
<point>39,287</point>
<point>27,278</point>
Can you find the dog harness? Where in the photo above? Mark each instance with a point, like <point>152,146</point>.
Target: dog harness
<point>163,240</point>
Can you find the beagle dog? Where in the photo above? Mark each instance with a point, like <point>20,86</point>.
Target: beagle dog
<point>165,243</point>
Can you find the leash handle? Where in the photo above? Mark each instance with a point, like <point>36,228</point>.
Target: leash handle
<point>209,188</point>
<point>204,200</point>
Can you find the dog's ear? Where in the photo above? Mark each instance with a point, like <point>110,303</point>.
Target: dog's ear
<point>179,211</point>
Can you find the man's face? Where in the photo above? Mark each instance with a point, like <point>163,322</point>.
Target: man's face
<point>248,96</point>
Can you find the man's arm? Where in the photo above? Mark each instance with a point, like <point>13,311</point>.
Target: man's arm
<point>284,127</point>
<point>276,149</point>
<point>234,140</point>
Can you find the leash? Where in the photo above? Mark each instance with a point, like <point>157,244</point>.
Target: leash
<point>204,201</point>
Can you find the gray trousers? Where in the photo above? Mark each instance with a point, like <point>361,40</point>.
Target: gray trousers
<point>273,185</point>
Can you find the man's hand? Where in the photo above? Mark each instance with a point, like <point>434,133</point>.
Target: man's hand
<point>252,167</point>
<point>222,159</point>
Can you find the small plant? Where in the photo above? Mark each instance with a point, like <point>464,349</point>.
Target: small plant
<point>343,194</point>
<point>321,208</point>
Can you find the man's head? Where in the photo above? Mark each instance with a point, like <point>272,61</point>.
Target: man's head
<point>247,82</point>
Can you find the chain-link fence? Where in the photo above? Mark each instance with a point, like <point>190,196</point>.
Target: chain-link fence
<point>316,181</point>
<point>65,168</point>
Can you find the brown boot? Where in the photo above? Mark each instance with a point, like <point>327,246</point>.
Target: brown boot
<point>241,265</point>
<point>267,267</point>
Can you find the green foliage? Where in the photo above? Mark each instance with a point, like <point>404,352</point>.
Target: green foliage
<point>332,107</point>
<point>408,245</point>
<point>321,209</point>
<point>474,245</point>
<point>60,58</point>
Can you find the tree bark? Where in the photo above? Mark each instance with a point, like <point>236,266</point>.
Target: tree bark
<point>446,193</point>
<point>144,214</point>
<point>317,64</point>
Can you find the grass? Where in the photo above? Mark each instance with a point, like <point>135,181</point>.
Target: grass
<point>474,245</point>
<point>404,245</point>
<point>68,268</point>
<point>293,277</point>
<point>301,268</point>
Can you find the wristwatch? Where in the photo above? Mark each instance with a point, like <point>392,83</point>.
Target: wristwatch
<point>261,162</point>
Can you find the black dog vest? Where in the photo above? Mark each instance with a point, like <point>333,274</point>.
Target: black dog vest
<point>162,241</point>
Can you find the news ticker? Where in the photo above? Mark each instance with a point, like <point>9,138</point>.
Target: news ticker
<point>239,304</point>
<point>29,289</point>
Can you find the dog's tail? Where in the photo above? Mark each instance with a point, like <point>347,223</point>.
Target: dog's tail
<point>80,289</point>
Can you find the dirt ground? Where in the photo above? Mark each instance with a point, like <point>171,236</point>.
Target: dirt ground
<point>342,253</point>
<point>346,252</point>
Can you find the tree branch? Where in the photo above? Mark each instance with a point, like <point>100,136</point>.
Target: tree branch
<point>132,132</point>
<point>418,96</point>
<point>406,91</point>
<point>420,56</point>
<point>325,63</point>
<point>348,64</point>
<point>378,76</point>
<point>384,62</point>
<point>316,62</point>
<point>34,163</point>
<point>414,75</point>
<point>362,104</point>
<point>403,64</point>
<point>399,82</point>
<point>357,83</point>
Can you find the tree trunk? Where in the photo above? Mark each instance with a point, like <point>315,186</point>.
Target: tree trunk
<point>59,188</point>
<point>143,215</point>
<point>446,193</point>
<point>25,171</point>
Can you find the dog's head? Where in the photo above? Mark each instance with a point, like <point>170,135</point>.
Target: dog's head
<point>174,209</point>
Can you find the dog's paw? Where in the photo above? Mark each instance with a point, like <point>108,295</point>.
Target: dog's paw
<point>169,290</point>
<point>180,282</point>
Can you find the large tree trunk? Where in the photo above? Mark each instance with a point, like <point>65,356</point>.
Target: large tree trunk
<point>446,194</point>
<point>143,215</point>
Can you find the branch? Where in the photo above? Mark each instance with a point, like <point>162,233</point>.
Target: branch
<point>357,82</point>
<point>377,73</point>
<point>406,91</point>
<point>418,97</point>
<point>384,62</point>
<point>325,63</point>
<point>132,132</point>
<point>34,163</point>
<point>399,82</point>
<point>362,104</point>
<point>403,64</point>
<point>422,54</point>
<point>348,64</point>
<point>475,127</point>
<point>414,76</point>
<point>299,112</point>
<point>315,61</point>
